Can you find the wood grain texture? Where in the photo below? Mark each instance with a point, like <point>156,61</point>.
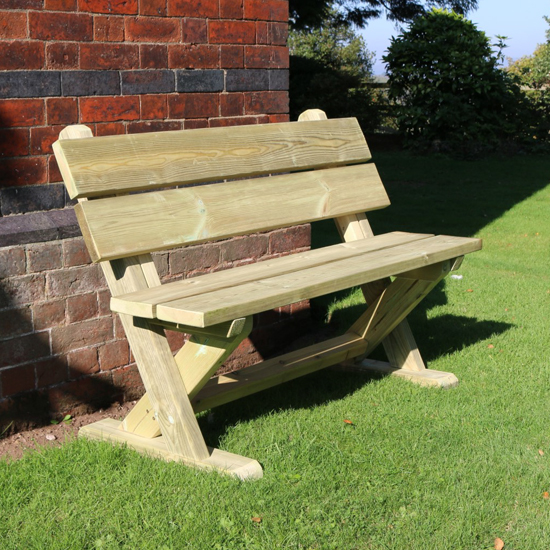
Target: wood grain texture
<point>143,303</point>
<point>400,345</point>
<point>270,292</point>
<point>117,164</point>
<point>133,224</point>
<point>222,461</point>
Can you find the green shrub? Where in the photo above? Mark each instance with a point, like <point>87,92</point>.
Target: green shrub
<point>449,91</point>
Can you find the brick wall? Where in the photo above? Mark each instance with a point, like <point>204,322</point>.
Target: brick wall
<point>118,66</point>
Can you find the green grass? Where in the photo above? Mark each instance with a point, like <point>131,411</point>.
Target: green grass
<point>420,468</point>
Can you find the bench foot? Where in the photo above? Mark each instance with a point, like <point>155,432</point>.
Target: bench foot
<point>222,461</point>
<point>427,377</point>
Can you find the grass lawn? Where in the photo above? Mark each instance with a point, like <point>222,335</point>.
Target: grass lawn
<point>418,469</point>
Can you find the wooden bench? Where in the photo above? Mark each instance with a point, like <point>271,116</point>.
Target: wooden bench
<point>134,197</point>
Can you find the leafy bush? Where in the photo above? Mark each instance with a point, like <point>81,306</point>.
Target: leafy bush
<point>330,69</point>
<point>449,91</point>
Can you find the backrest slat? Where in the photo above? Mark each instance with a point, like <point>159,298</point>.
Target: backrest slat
<point>109,165</point>
<point>128,225</point>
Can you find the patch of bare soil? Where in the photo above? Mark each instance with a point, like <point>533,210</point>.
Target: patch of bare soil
<point>14,446</point>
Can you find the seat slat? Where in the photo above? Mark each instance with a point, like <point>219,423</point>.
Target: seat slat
<point>254,297</point>
<point>143,303</point>
<point>116,164</point>
<point>129,225</point>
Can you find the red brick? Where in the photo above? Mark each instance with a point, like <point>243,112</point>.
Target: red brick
<point>194,57</point>
<point>22,290</point>
<point>54,174</point>
<point>21,55</point>
<point>75,252</point>
<point>82,362</point>
<point>175,340</point>
<point>152,29</point>
<point>62,56</point>
<point>12,262</point>
<point>13,25</point>
<point>279,118</point>
<point>103,301</point>
<point>278,33</point>
<point>231,9</point>
<point>21,4</point>
<point>232,121</point>
<point>68,282</point>
<point>194,31</point>
<point>108,29</point>
<point>129,381</point>
<point>194,123</point>
<point>79,335</point>
<point>22,112</point>
<point>109,56</point>
<point>110,129</point>
<point>193,105</point>
<point>82,307</point>
<point>121,7</point>
<point>262,32</point>
<point>153,126</point>
<point>154,107</point>
<point>60,26</point>
<point>14,142</point>
<point>152,7</point>
<point>83,395</point>
<point>114,354</point>
<point>23,171</point>
<point>266,57</point>
<point>51,371</point>
<point>23,349</point>
<point>192,258</point>
<point>232,104</point>
<point>61,110</point>
<point>48,314</point>
<point>231,32</point>
<point>153,56</point>
<point>17,380</point>
<point>15,321</point>
<point>119,329</point>
<point>43,257</point>
<point>266,102</point>
<point>109,109</point>
<point>267,10</point>
<point>60,5</point>
<point>197,8</point>
<point>241,248</point>
<point>289,239</point>
<point>42,139</point>
<point>232,57</point>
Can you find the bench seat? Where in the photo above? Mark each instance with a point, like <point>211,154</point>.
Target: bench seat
<point>139,194</point>
<point>242,291</point>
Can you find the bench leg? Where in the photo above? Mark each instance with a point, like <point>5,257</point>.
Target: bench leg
<point>388,310</point>
<point>181,438</point>
<point>197,361</point>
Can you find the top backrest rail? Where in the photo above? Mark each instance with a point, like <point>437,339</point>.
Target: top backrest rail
<point>108,165</point>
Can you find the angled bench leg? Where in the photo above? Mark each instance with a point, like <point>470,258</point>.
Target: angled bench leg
<point>399,345</point>
<point>197,361</point>
<point>387,311</point>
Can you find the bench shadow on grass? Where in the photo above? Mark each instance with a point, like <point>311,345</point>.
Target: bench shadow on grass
<point>442,335</point>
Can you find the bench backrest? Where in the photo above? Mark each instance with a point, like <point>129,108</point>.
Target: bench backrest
<point>323,172</point>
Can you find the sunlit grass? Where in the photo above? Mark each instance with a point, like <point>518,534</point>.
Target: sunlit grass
<point>419,468</point>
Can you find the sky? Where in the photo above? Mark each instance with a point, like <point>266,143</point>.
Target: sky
<point>521,22</point>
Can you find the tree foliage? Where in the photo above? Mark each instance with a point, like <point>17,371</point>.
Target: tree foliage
<point>534,70</point>
<point>445,79</point>
<point>330,68</point>
<point>312,13</point>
